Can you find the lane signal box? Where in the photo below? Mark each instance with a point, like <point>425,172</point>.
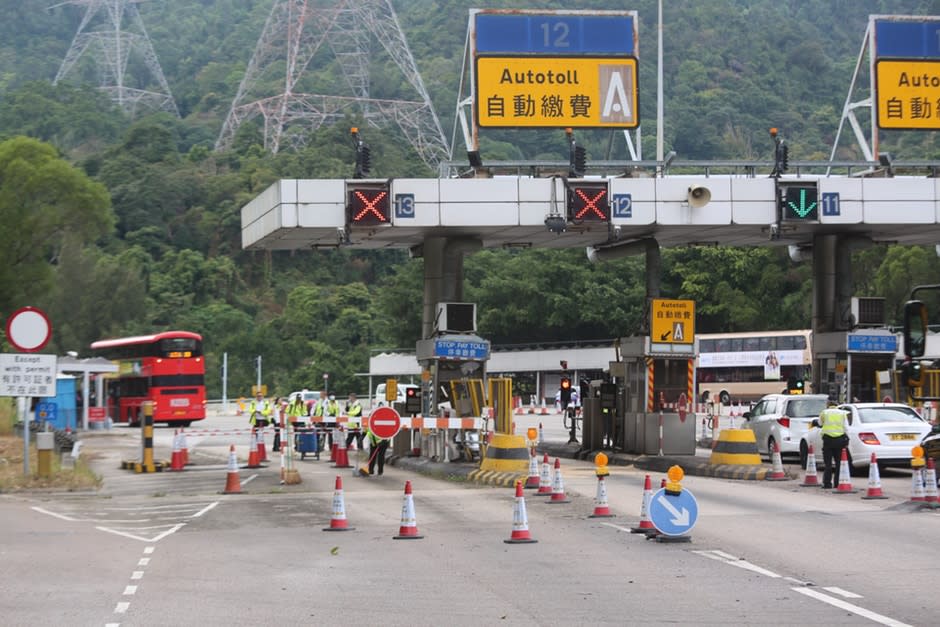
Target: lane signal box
<point>588,201</point>
<point>413,401</point>
<point>798,201</point>
<point>368,203</point>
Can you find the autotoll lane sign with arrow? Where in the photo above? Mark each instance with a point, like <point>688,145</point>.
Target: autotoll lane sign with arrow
<point>673,514</point>
<point>672,321</point>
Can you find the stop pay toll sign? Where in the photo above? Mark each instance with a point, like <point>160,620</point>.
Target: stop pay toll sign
<point>385,423</point>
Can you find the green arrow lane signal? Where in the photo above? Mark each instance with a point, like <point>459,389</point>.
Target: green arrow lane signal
<point>804,208</point>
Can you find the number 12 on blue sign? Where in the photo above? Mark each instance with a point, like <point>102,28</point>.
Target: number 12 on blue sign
<point>621,206</point>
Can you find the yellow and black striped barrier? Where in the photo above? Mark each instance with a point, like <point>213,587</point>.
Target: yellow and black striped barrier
<point>735,447</point>
<point>146,463</point>
<point>506,453</point>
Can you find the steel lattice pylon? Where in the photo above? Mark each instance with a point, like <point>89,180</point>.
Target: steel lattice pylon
<point>295,32</point>
<point>112,39</point>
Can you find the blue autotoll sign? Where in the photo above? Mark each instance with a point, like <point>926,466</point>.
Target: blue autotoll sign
<point>907,38</point>
<point>555,33</point>
<point>673,514</point>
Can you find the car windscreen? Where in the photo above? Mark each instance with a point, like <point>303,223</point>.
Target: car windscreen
<point>887,414</point>
<point>805,407</point>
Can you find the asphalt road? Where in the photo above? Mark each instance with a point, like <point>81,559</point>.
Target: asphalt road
<point>168,549</point>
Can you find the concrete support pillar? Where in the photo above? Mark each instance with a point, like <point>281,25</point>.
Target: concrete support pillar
<point>443,274</point>
<point>825,278</point>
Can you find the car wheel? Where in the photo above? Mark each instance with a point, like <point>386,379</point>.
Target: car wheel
<point>724,397</point>
<point>804,454</point>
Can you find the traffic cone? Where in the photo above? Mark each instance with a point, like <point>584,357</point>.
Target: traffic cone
<point>253,451</point>
<point>776,472</point>
<point>342,454</point>
<point>233,484</point>
<point>662,484</point>
<point>917,486</point>
<point>338,520</point>
<point>333,446</point>
<point>520,522</point>
<point>601,508</point>
<point>176,460</point>
<point>811,479</point>
<point>532,481</point>
<point>645,525</point>
<point>545,478</point>
<point>262,452</point>
<point>409,525</point>
<point>930,482</point>
<point>541,434</point>
<point>874,481</point>
<point>845,477</point>
<point>184,447</point>
<point>558,486</point>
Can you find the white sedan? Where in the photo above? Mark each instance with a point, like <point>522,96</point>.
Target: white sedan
<point>889,430</point>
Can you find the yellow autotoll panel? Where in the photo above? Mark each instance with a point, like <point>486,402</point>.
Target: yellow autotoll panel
<point>908,94</point>
<point>672,321</point>
<point>557,92</point>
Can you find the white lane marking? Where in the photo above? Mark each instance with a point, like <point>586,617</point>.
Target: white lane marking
<point>845,605</point>
<point>148,550</point>
<point>137,574</point>
<point>798,581</point>
<point>156,538</point>
<point>618,527</point>
<point>739,563</point>
<point>249,479</point>
<point>112,625</point>
<point>204,509</point>
<point>129,590</point>
<point>842,593</point>
<point>48,513</point>
<point>178,506</point>
<point>121,607</point>
<point>144,561</point>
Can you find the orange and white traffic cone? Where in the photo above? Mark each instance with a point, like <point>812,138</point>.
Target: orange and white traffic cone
<point>545,478</point>
<point>184,447</point>
<point>338,520</point>
<point>333,446</point>
<point>520,521</point>
<point>917,486</point>
<point>408,530</point>
<point>845,477</point>
<point>930,483</point>
<point>253,451</point>
<point>558,486</point>
<point>776,472</point>
<point>342,454</point>
<point>541,434</point>
<point>176,461</point>
<point>233,484</point>
<point>645,525</point>
<point>532,481</point>
<point>262,452</point>
<point>601,507</point>
<point>811,478</point>
<point>874,481</point>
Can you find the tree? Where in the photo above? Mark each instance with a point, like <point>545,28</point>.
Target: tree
<point>44,202</point>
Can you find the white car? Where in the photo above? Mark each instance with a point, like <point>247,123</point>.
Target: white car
<point>783,419</point>
<point>889,430</point>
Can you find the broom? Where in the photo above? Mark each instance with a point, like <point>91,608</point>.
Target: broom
<point>364,470</point>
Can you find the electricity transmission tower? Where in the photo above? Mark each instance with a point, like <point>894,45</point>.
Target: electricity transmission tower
<point>112,32</point>
<point>347,33</point>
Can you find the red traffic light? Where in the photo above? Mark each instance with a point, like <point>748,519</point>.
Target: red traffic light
<point>367,204</point>
<point>411,391</point>
<point>565,383</point>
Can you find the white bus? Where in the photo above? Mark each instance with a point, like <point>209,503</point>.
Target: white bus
<point>742,367</point>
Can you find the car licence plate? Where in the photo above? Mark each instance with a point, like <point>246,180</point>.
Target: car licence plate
<point>902,436</point>
<point>179,402</point>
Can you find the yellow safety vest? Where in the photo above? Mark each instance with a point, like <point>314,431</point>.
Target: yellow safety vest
<point>354,412</point>
<point>833,422</point>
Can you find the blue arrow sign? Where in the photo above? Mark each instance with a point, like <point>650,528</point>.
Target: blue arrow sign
<point>673,514</point>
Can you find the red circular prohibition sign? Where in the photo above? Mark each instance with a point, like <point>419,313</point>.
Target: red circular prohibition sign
<point>385,423</point>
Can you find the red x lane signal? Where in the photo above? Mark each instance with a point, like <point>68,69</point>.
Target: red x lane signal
<point>588,201</point>
<point>367,204</point>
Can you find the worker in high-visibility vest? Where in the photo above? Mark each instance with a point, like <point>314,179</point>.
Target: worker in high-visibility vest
<point>259,411</point>
<point>832,421</point>
<point>377,448</point>
<point>354,413</point>
<point>296,409</point>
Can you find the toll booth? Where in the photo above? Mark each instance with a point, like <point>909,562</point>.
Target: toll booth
<point>853,365</point>
<point>654,384</point>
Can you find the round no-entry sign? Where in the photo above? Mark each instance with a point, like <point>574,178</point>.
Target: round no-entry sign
<point>385,423</point>
<point>28,329</point>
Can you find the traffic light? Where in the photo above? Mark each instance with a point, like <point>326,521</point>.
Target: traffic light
<point>588,201</point>
<point>565,391</point>
<point>367,204</point>
<point>577,157</point>
<point>794,385</point>
<point>413,401</point>
<point>912,373</point>
<point>781,157</point>
<point>363,162</point>
<point>798,201</point>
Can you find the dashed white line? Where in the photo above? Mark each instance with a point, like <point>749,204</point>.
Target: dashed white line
<point>144,561</point>
<point>845,605</point>
<point>842,593</point>
<point>121,607</point>
<point>48,513</point>
<point>618,527</point>
<point>727,558</point>
<point>148,550</point>
<point>249,479</point>
<point>137,574</point>
<point>205,509</point>
<point>130,590</point>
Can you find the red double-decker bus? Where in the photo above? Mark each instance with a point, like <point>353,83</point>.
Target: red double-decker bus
<point>165,368</point>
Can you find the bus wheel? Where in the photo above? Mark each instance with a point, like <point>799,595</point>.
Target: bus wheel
<point>186,423</point>
<point>724,397</point>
